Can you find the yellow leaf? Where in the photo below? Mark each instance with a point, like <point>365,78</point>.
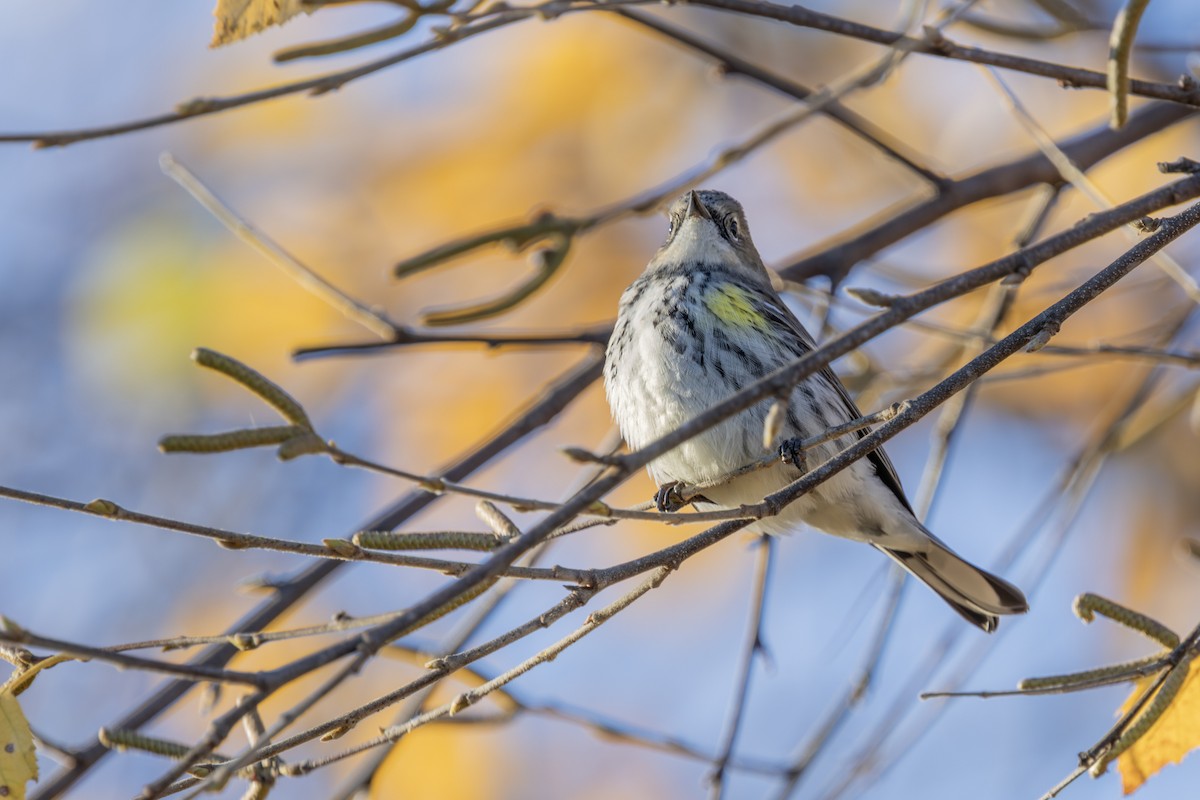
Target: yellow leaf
<point>447,761</point>
<point>18,764</point>
<point>1173,736</point>
<point>237,19</point>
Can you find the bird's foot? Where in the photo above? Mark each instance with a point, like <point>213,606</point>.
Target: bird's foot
<point>668,497</point>
<point>791,451</point>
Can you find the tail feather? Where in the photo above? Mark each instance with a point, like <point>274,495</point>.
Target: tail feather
<point>978,596</point>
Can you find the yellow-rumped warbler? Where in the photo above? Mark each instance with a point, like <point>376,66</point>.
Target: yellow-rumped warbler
<point>702,322</point>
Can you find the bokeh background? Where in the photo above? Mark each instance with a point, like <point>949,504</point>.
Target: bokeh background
<point>110,275</point>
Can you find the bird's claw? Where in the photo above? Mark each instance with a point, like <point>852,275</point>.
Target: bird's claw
<point>668,498</point>
<point>791,452</point>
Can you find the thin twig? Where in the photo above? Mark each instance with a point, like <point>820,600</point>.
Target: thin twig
<point>320,84</point>
<point>218,777</point>
<point>469,698</point>
<point>246,541</point>
<point>854,694</point>
<point>1086,186</point>
<point>941,47</point>
<point>605,727</point>
<point>484,610</point>
<point>373,319</point>
<point>407,338</point>
<point>754,646</point>
<point>999,301</point>
<point>731,64</point>
<point>869,238</point>
<point>196,672</point>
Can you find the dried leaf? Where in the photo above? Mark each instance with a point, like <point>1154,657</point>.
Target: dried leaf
<point>22,679</point>
<point>1173,736</point>
<point>18,764</point>
<point>237,19</point>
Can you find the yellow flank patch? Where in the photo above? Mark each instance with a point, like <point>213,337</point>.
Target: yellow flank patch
<point>732,305</point>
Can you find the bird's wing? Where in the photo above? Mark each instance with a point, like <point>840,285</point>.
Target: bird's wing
<point>780,315</point>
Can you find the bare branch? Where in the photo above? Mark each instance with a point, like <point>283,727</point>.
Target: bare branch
<point>941,47</point>
<point>372,319</point>
<point>731,64</point>
<point>836,260</point>
<point>754,646</point>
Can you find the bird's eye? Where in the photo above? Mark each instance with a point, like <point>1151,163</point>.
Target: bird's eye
<point>733,228</point>
<point>672,222</point>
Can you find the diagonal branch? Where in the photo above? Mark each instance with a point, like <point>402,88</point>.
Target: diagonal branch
<point>1185,92</point>
<point>836,260</point>
<point>731,64</point>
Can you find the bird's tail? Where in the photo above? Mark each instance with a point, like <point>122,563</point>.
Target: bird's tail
<point>978,596</point>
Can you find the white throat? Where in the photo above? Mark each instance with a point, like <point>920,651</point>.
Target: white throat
<point>698,240</point>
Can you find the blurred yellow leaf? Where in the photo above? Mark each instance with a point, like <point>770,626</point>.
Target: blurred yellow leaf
<point>155,274</point>
<point>1173,736</point>
<point>237,19</point>
<point>18,764</point>
<point>447,761</point>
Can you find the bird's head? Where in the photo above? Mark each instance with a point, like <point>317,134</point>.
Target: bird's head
<point>709,227</point>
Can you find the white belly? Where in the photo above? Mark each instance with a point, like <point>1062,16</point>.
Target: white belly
<point>658,390</point>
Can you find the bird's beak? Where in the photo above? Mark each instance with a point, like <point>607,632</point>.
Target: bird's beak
<point>695,207</point>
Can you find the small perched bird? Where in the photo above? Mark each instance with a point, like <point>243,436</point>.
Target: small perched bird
<point>702,322</point>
